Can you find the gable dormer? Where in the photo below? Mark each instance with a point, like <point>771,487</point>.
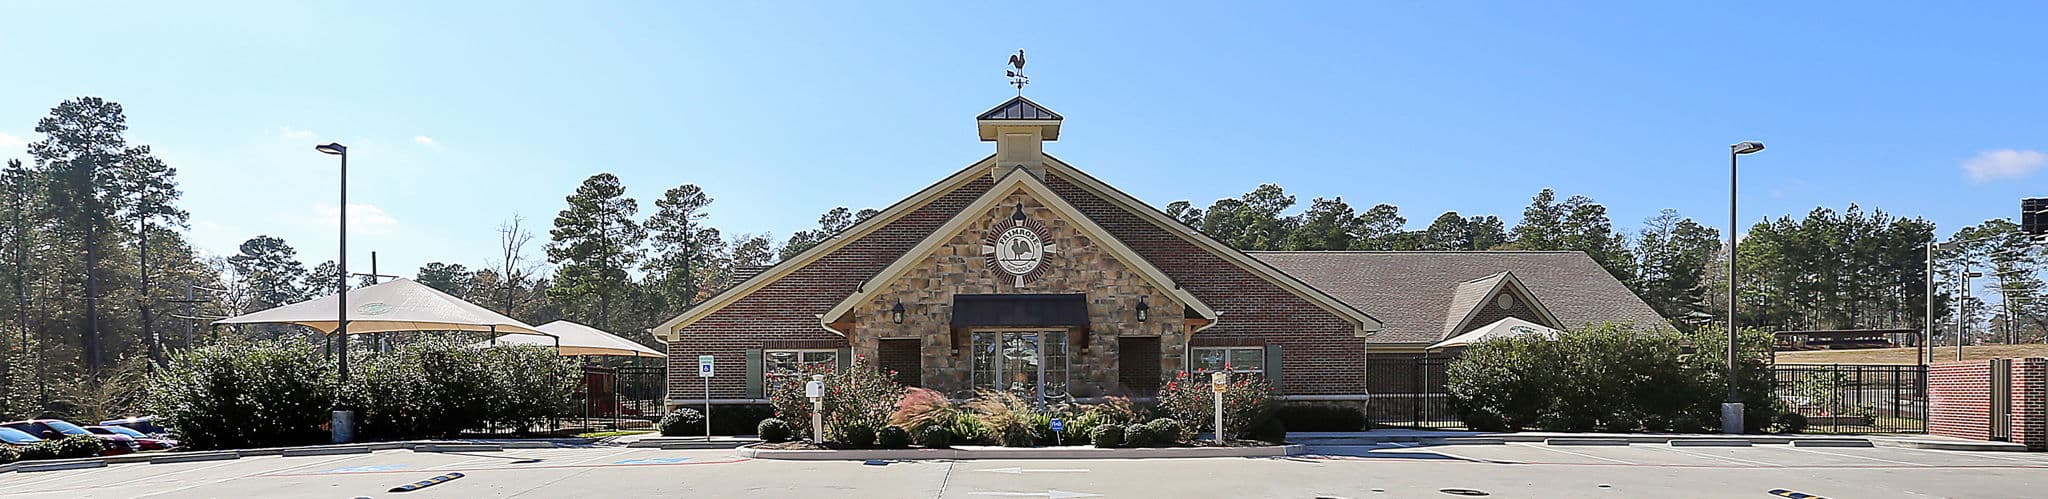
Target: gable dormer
<point>1483,301</point>
<point>1020,128</point>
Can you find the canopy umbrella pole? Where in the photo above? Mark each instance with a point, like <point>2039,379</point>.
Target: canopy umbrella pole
<point>494,335</point>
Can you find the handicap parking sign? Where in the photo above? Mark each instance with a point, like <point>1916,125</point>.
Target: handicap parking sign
<point>1058,425</point>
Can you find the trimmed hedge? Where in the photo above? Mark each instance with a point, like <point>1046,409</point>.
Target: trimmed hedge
<point>682,422</point>
<point>237,393</point>
<point>1320,417</point>
<point>1608,377</point>
<point>772,430</point>
<point>1107,436</point>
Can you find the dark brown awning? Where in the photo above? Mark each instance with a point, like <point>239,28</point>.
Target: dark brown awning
<point>1034,310</point>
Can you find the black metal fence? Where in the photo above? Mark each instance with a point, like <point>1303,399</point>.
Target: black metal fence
<point>628,396</point>
<point>1410,393</point>
<point>1848,398</point>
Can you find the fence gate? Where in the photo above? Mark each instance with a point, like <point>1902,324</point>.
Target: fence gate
<point>1410,393</point>
<point>1850,398</point>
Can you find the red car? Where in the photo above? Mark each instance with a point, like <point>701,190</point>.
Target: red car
<point>52,429</point>
<point>142,440</point>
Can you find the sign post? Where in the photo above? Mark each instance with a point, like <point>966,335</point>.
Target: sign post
<point>1220,381</point>
<point>1058,429</point>
<point>704,371</point>
<point>815,389</point>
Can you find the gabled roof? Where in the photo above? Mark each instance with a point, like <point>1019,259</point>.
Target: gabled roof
<point>1018,108</point>
<point>1018,179</point>
<point>1470,298</point>
<point>1362,321</point>
<point>1412,291</point>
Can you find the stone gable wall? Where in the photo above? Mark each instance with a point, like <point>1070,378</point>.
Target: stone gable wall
<point>1080,265</point>
<point>785,313</point>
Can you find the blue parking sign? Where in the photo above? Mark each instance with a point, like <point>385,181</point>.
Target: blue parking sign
<point>1058,425</point>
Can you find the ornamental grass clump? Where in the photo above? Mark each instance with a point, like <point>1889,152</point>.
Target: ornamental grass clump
<point>1007,418</point>
<point>922,408</point>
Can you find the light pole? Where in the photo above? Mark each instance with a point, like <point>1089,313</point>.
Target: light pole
<point>1731,411</point>
<point>1963,308</point>
<point>343,428</point>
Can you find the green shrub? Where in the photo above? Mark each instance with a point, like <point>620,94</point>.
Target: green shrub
<point>235,394</point>
<point>859,394</point>
<point>440,387</point>
<point>1320,417</point>
<point>1143,435</point>
<point>857,434</point>
<point>936,436</point>
<point>8,455</point>
<point>1247,402</point>
<point>1272,430</point>
<point>967,428</point>
<point>772,430</point>
<point>682,422</point>
<point>1606,377</point>
<point>1788,422</point>
<point>1107,436</point>
<point>892,437</point>
<point>69,447</point>
<point>1171,431</point>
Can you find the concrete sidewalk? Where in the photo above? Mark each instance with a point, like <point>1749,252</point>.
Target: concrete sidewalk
<point>1448,437</point>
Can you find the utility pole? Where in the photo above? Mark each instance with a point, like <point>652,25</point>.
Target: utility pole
<point>191,317</point>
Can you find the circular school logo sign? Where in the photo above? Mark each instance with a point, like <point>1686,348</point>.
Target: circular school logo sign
<point>1018,248</point>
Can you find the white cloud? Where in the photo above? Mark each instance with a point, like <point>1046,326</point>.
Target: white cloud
<point>294,133</point>
<point>13,147</point>
<point>2004,163</point>
<point>362,217</point>
<point>423,140</point>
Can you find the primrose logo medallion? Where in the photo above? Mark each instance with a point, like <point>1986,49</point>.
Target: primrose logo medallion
<point>1018,248</point>
<point>373,308</point>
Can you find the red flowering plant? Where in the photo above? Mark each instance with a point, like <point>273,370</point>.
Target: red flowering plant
<point>859,395</point>
<point>1247,402</point>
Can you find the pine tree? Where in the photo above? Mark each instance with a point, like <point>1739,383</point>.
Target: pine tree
<point>593,243</point>
<point>686,250</point>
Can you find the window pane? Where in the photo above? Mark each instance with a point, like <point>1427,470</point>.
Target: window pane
<point>1208,359</point>
<point>1247,359</point>
<point>823,358</point>
<point>984,354</point>
<point>782,362</point>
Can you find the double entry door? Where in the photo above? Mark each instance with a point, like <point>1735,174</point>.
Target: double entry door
<point>1030,364</point>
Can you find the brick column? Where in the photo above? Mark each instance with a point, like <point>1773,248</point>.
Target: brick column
<point>1959,400</point>
<point>2030,403</point>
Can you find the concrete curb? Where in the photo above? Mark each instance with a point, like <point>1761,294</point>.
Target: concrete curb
<point>1585,441</point>
<point>1960,445</point>
<point>458,448</point>
<point>60,465</point>
<point>975,452</point>
<point>325,451</point>
<point>1832,442</point>
<point>193,457</point>
<point>1711,442</point>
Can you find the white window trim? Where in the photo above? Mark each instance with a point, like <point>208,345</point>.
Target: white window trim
<point>1193,353</point>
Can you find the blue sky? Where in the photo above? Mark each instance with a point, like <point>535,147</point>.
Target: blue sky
<point>462,114</point>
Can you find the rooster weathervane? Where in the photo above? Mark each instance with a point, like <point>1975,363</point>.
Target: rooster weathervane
<point>1016,72</point>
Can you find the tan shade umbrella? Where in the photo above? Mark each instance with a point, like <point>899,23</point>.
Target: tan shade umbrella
<point>580,340</point>
<point>399,305</point>
<point>1498,329</point>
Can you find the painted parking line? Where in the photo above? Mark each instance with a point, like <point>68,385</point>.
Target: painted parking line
<point>1838,454</point>
<point>1950,454</point>
<point>1730,459</point>
<point>368,468</point>
<point>1562,451</point>
<point>656,460</point>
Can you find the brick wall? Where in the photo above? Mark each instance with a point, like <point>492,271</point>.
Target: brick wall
<point>2030,403</point>
<point>1959,400</point>
<point>1319,353</point>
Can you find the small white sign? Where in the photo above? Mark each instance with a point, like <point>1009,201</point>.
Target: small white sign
<point>703,366</point>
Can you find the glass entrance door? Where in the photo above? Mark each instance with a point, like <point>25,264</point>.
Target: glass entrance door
<point>1030,364</point>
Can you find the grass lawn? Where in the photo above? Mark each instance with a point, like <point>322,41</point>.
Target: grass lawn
<point>1905,355</point>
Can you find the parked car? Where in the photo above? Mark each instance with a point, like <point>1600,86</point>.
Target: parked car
<point>143,441</point>
<point>17,438</point>
<point>52,429</point>
<point>145,424</point>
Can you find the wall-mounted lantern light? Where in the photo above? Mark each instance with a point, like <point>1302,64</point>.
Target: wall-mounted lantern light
<point>1142,309</point>
<point>896,313</point>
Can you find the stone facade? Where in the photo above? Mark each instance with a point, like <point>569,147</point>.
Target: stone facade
<point>1081,265</point>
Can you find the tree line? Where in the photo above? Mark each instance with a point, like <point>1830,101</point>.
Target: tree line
<point>100,280</point>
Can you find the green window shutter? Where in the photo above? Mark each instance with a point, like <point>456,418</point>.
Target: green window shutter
<point>1273,367</point>
<point>754,370</point>
<point>844,357</point>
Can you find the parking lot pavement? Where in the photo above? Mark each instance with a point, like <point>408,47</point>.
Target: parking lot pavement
<point>1513,470</point>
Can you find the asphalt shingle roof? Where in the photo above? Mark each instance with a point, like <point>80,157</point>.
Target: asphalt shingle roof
<point>1412,291</point>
